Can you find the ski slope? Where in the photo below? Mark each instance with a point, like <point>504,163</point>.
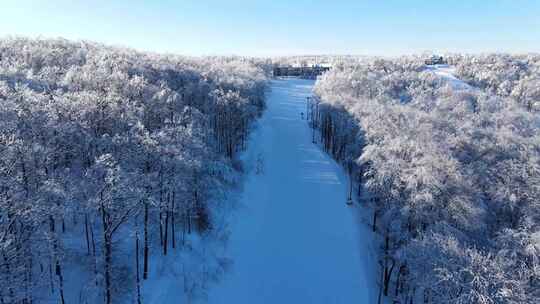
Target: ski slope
<point>447,73</point>
<point>295,240</point>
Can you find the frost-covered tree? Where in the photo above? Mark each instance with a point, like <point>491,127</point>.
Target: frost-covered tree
<point>452,173</point>
<point>96,141</point>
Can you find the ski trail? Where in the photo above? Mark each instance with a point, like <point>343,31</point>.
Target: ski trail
<point>447,73</point>
<point>295,240</point>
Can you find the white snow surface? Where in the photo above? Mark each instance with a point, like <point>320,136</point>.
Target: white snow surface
<point>294,240</point>
<point>447,72</point>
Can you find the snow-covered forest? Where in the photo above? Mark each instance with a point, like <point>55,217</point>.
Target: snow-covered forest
<point>515,77</point>
<point>447,160</point>
<point>105,152</point>
<point>119,172</point>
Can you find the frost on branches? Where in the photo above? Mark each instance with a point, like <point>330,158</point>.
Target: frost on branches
<point>111,159</point>
<point>452,172</point>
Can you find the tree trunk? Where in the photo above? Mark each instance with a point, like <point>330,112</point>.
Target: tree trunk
<point>173,232</point>
<point>161,205</point>
<point>60,281</point>
<point>426,295</point>
<point>94,252</point>
<point>380,287</point>
<point>108,265</point>
<point>30,278</point>
<point>145,271</point>
<point>160,226</point>
<point>107,246</point>
<point>166,234</point>
<point>87,233</point>
<point>387,271</point>
<point>349,167</point>
<point>387,277</point>
<point>189,221</point>
<point>398,283</point>
<point>374,220</point>
<point>138,279</point>
<point>50,277</point>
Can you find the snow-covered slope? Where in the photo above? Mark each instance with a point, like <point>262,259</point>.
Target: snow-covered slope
<point>448,72</point>
<point>295,240</point>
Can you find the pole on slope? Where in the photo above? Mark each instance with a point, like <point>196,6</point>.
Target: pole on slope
<point>349,169</point>
<point>307,108</point>
<point>310,110</point>
<point>313,120</point>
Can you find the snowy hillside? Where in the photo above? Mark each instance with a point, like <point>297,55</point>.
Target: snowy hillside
<point>448,73</point>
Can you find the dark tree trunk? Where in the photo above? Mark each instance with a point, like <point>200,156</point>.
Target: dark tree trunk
<point>60,281</point>
<point>160,226</point>
<point>161,206</point>
<point>137,277</point>
<point>387,271</point>
<point>94,252</point>
<point>374,220</point>
<point>399,284</point>
<point>387,277</point>
<point>379,298</point>
<point>146,250</point>
<point>108,264</point>
<point>50,277</point>
<point>189,220</point>
<point>107,246</point>
<point>87,233</point>
<point>350,168</point>
<point>173,232</point>
<point>166,234</point>
<point>30,279</point>
<point>426,295</point>
<point>51,223</point>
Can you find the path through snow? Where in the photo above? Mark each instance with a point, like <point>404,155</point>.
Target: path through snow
<point>447,73</point>
<point>295,240</point>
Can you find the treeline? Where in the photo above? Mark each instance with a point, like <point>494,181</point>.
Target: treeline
<point>310,60</point>
<point>508,76</point>
<point>452,175</point>
<point>122,151</point>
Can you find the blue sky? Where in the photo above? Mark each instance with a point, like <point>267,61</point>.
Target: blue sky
<point>280,27</point>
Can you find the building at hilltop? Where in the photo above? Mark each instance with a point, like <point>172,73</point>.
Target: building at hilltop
<point>310,72</point>
<point>435,59</point>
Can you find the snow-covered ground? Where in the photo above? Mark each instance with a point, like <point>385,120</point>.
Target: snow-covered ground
<point>448,72</point>
<point>295,240</point>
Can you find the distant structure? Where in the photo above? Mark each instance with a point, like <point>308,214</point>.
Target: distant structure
<point>435,59</point>
<point>310,72</point>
